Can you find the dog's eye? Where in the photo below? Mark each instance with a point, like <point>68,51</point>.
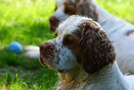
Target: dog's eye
<point>68,40</point>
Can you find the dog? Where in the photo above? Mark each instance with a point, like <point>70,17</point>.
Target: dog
<point>84,57</point>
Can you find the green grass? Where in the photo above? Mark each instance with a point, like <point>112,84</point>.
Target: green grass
<point>26,21</point>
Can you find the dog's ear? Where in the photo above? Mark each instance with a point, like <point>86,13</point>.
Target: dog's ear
<point>86,8</point>
<point>96,49</point>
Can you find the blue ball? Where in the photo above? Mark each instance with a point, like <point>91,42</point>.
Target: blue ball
<point>14,47</point>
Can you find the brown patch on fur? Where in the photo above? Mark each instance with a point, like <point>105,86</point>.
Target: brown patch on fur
<point>81,7</point>
<point>129,32</point>
<point>86,8</point>
<point>96,49</point>
<point>70,7</point>
<point>58,60</point>
<point>56,34</point>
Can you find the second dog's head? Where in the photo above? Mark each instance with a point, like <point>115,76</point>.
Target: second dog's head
<point>65,8</point>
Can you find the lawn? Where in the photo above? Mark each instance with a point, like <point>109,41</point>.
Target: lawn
<point>26,21</point>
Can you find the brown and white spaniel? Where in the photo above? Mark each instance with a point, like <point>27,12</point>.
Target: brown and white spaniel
<point>84,57</point>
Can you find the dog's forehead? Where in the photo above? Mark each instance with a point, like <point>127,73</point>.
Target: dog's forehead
<point>70,24</point>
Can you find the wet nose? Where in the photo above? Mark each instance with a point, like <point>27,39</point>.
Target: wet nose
<point>43,47</point>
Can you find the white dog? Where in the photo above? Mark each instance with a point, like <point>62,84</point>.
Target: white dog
<point>84,57</point>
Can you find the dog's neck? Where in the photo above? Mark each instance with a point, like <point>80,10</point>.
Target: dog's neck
<point>108,78</point>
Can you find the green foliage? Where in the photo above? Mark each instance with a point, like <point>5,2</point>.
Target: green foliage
<point>26,21</point>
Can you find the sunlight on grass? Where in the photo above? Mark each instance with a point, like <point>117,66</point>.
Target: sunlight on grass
<point>26,21</point>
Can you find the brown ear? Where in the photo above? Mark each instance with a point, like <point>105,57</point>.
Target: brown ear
<point>86,8</point>
<point>97,50</point>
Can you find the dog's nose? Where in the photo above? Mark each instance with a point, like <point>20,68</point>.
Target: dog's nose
<point>43,47</point>
<point>52,19</point>
<point>53,23</point>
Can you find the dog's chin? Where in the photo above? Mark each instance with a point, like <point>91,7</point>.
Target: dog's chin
<point>44,61</point>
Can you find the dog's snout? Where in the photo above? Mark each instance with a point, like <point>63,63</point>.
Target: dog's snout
<point>46,50</point>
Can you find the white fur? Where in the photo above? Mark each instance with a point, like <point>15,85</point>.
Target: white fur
<point>110,78</point>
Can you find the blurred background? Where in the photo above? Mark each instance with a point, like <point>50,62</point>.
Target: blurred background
<point>26,21</point>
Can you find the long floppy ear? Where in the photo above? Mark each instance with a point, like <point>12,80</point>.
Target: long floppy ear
<point>86,8</point>
<point>96,49</point>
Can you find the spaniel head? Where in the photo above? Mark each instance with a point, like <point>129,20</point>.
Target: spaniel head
<point>65,8</point>
<point>79,42</point>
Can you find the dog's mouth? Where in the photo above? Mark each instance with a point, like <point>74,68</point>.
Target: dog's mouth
<point>45,62</point>
<point>42,61</point>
